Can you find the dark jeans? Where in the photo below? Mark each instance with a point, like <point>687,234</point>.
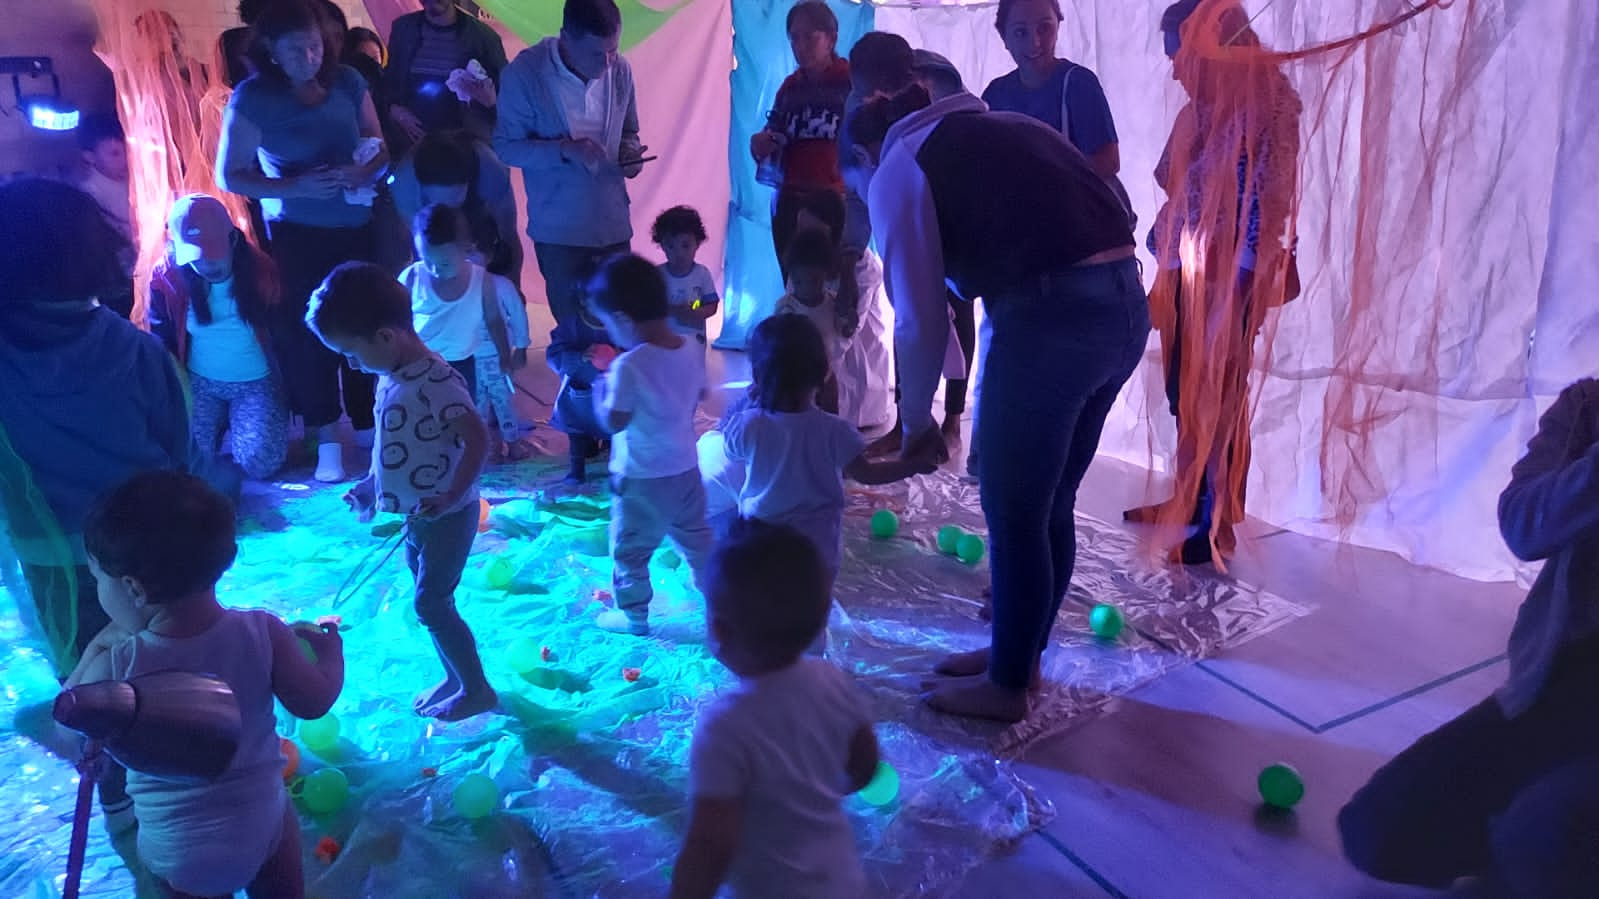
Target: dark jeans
<point>313,374</point>
<point>966,336</point>
<point>468,370</point>
<point>823,204</point>
<point>566,272</point>
<point>436,552</point>
<point>1440,810</point>
<point>1057,360</point>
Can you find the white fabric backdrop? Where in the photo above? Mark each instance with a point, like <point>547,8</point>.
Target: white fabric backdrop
<point>1450,195</point>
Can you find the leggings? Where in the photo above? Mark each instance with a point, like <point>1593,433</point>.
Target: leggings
<point>253,412</point>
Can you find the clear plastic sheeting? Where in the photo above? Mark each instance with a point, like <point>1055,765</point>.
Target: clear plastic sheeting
<point>589,754</point>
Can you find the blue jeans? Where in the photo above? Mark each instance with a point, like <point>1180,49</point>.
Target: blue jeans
<point>1058,357</point>
<point>436,551</point>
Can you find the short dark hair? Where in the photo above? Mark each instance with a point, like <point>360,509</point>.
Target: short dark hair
<point>678,220</point>
<point>881,62</point>
<point>250,10</point>
<point>811,248</point>
<point>868,125</point>
<point>358,299</point>
<point>284,17</point>
<point>788,359</point>
<point>813,13</point>
<point>632,285</point>
<point>1002,15</point>
<point>446,157</point>
<point>360,34</point>
<point>439,225</point>
<point>56,244</point>
<point>170,530</point>
<point>96,129</point>
<point>769,587</point>
<point>595,18</point>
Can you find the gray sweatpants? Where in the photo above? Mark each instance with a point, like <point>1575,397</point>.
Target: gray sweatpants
<point>644,511</point>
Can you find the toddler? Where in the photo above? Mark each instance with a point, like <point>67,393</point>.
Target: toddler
<point>795,455</point>
<point>579,351</point>
<point>812,263</point>
<point>453,299</point>
<point>647,400</point>
<point>773,759</point>
<point>690,292</point>
<point>105,178</point>
<point>157,545</point>
<point>429,451</point>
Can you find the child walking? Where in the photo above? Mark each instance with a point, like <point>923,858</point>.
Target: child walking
<point>429,452</point>
<point>647,400</point>
<point>157,545</point>
<point>690,291</point>
<point>796,455</point>
<point>812,262</point>
<point>773,759</point>
<point>453,299</point>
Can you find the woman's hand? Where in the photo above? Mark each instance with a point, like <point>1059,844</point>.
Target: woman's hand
<point>482,92</point>
<point>764,143</point>
<point>407,122</point>
<point>320,184</point>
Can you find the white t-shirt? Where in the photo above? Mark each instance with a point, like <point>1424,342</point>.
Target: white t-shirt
<point>513,309</point>
<point>824,315</point>
<point>450,328</point>
<point>414,457</point>
<point>682,292</point>
<point>662,388</point>
<point>794,471</point>
<point>780,742</point>
<point>587,103</point>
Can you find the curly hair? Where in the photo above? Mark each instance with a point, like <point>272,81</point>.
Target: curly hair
<point>675,221</point>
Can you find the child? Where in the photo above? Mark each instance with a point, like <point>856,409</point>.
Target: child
<point>495,388</point>
<point>157,545</point>
<point>679,233</point>
<point>812,265</point>
<point>452,298</point>
<point>772,760</point>
<point>105,178</point>
<point>797,455</point>
<point>579,351</point>
<point>647,399</point>
<point>429,451</point>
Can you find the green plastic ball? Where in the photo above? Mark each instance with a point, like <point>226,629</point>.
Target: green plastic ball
<point>522,655</point>
<point>970,548</point>
<point>1281,787</point>
<point>883,787</point>
<point>885,524</point>
<point>325,791</point>
<point>475,796</point>
<point>547,678</point>
<point>499,574</point>
<point>949,538</point>
<point>671,559</point>
<point>1106,621</point>
<point>320,734</point>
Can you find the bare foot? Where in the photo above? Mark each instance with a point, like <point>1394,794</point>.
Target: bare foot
<point>465,704</point>
<point>427,699</point>
<point>978,697</point>
<point>963,664</point>
<point>986,613</point>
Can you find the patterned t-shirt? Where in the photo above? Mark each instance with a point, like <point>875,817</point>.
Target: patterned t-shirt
<point>415,456</point>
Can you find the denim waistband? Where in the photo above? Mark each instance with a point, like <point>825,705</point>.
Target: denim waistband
<point>1113,278</point>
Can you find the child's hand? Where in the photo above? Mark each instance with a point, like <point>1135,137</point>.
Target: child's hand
<point>362,501</point>
<point>434,506</point>
<point>323,637</point>
<point>600,355</point>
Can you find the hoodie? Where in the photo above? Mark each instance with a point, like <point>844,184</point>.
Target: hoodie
<point>566,204</point>
<point>986,201</point>
<point>86,400</point>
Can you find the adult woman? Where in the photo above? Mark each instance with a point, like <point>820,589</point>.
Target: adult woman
<point>1229,172</point>
<point>211,299</point>
<point>302,136</point>
<point>1000,206</point>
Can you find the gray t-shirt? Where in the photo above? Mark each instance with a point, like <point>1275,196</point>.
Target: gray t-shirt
<point>296,138</point>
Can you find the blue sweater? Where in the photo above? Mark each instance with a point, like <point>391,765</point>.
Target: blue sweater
<point>88,401</point>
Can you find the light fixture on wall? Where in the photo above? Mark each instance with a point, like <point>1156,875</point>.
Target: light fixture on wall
<point>45,110</point>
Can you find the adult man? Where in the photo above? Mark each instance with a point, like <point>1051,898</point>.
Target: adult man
<point>568,119</point>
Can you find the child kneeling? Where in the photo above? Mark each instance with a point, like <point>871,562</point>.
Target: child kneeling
<point>773,759</point>
<point>157,546</point>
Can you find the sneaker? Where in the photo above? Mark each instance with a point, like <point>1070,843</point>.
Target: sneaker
<point>365,437</point>
<point>619,622</point>
<point>330,463</point>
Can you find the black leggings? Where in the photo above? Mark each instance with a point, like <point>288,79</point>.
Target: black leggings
<point>966,336</point>
<point>312,373</point>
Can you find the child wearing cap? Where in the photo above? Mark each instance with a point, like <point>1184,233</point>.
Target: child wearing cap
<point>210,299</point>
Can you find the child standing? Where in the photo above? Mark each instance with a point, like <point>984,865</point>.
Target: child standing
<point>453,299</point>
<point>796,455</point>
<point>580,352</point>
<point>429,452</point>
<point>647,400</point>
<point>157,545</point>
<point>105,178</point>
<point>773,759</point>
<point>812,264</point>
<point>690,291</point>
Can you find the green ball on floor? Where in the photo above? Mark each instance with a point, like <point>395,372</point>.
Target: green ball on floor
<point>1106,621</point>
<point>885,524</point>
<point>325,791</point>
<point>883,787</point>
<point>970,548</point>
<point>949,538</point>
<point>320,734</point>
<point>522,655</point>
<point>475,796</point>
<point>1281,787</point>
